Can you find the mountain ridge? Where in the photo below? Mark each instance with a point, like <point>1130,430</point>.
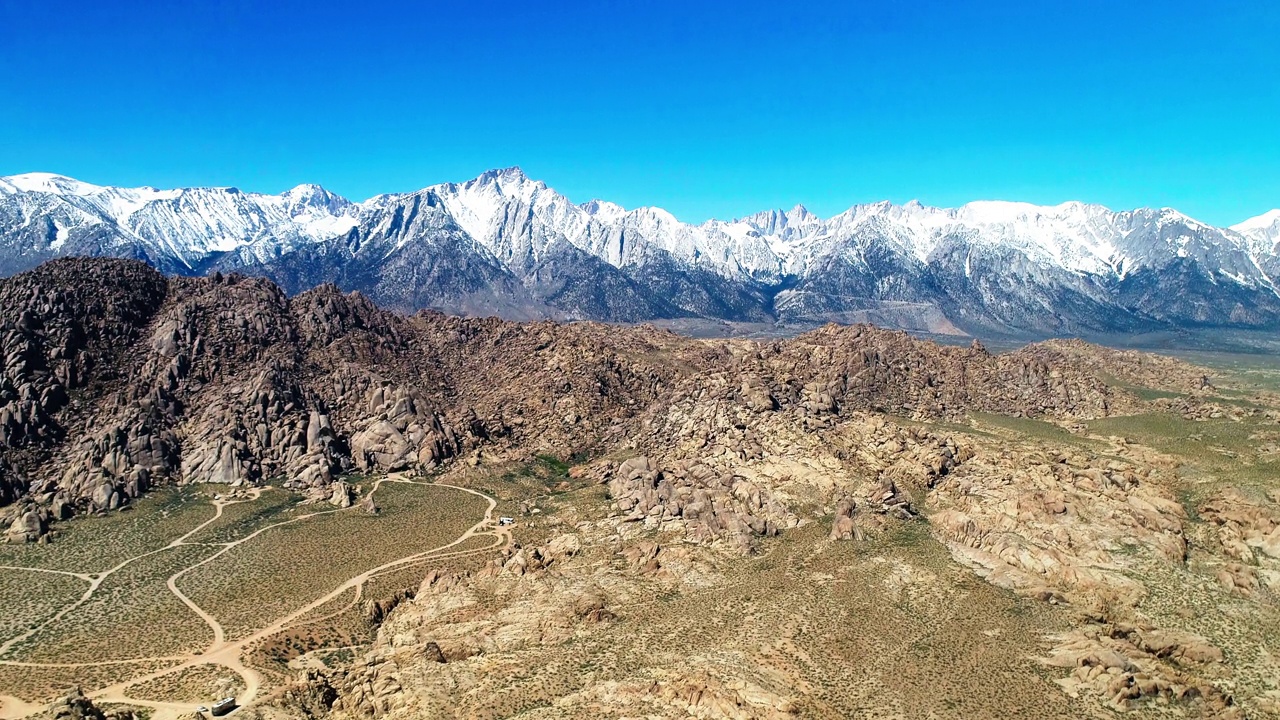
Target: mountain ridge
<point>508,244</point>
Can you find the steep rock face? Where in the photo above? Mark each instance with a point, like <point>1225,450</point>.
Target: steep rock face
<point>583,287</point>
<point>506,244</point>
<point>191,380</point>
<point>66,331</point>
<point>1187,293</point>
<point>1263,235</point>
<point>118,379</point>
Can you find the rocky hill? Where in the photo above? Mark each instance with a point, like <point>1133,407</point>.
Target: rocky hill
<point>117,378</point>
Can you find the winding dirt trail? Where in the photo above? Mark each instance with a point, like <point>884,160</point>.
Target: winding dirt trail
<point>220,651</point>
<point>95,579</point>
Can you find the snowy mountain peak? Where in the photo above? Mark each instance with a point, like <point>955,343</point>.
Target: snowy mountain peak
<point>771,222</point>
<point>1001,211</point>
<point>800,213</point>
<point>305,190</point>
<point>603,210</point>
<point>50,183</point>
<point>311,196</point>
<point>479,203</point>
<point>1168,215</point>
<point>1266,221</point>
<point>1261,235</point>
<point>502,176</point>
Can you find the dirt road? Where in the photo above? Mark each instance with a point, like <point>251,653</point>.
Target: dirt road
<point>220,652</point>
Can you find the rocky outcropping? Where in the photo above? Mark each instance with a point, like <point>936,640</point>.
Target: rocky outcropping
<point>710,505</point>
<point>1248,528</point>
<point>1054,501</point>
<point>117,379</point>
<point>75,706</point>
<point>1128,664</point>
<point>1132,367</point>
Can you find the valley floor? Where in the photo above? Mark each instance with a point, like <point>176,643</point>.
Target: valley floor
<point>114,651</point>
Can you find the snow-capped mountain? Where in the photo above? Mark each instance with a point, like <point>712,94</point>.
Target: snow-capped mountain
<point>504,243</point>
<point>1263,236</point>
<point>177,230</point>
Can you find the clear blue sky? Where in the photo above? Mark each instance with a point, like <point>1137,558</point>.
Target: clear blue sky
<point>715,110</point>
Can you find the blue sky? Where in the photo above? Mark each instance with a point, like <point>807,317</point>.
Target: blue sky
<point>716,110</point>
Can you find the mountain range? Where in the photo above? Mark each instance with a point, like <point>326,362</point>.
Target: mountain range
<point>508,245</point>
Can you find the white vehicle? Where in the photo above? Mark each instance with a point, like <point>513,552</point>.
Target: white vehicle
<point>506,520</point>
<point>201,708</point>
<point>224,706</point>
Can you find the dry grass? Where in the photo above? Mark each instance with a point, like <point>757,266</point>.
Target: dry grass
<point>344,629</point>
<point>888,628</point>
<point>289,566</point>
<point>29,598</point>
<point>94,544</point>
<point>1210,456</point>
<point>132,615</point>
<point>334,607</point>
<point>1028,429</point>
<point>43,684</point>
<point>241,519</point>
<point>199,684</point>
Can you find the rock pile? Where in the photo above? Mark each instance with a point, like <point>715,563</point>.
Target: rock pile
<point>709,505</point>
<point>866,368</point>
<point>1129,664</point>
<point>1248,529</point>
<point>75,706</point>
<point>1132,367</point>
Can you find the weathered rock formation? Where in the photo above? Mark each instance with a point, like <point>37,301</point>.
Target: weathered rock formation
<point>75,706</point>
<point>117,378</point>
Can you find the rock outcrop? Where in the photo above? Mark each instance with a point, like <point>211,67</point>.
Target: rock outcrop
<point>117,379</point>
<point>710,505</point>
<point>75,706</point>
